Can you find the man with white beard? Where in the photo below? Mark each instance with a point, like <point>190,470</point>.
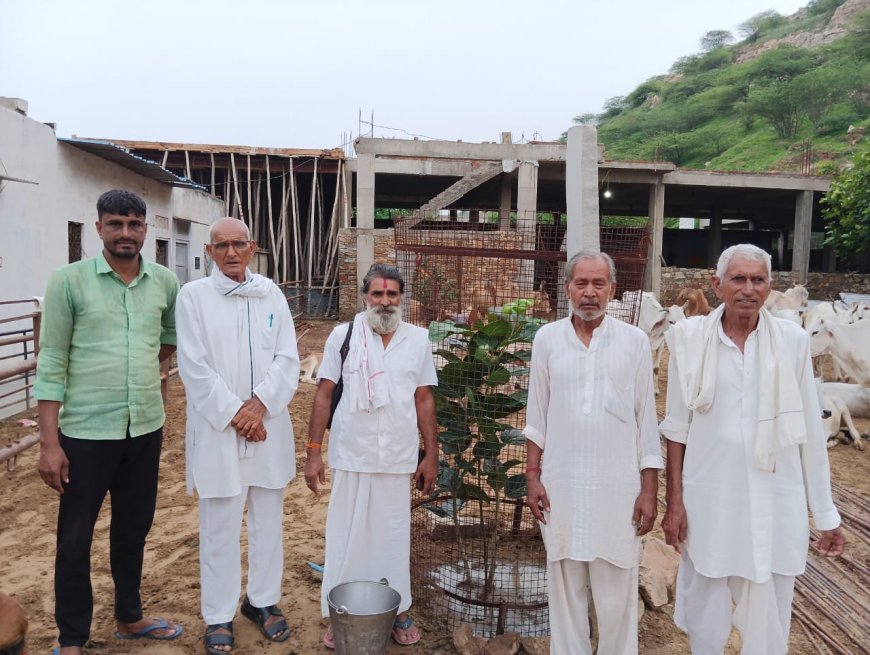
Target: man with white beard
<point>593,456</point>
<point>374,441</point>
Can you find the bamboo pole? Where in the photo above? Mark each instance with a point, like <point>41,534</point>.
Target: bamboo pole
<point>345,192</point>
<point>236,189</point>
<point>187,164</point>
<point>271,229</point>
<point>257,203</point>
<point>322,228</point>
<point>312,201</point>
<point>254,216</point>
<point>165,158</point>
<point>211,155</point>
<point>297,246</point>
<point>228,192</point>
<point>283,236</point>
<point>331,272</point>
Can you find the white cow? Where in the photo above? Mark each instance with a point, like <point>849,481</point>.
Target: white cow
<point>793,298</point>
<point>792,315</point>
<point>850,344</point>
<point>856,397</point>
<point>836,419</point>
<point>836,311</point>
<point>655,321</point>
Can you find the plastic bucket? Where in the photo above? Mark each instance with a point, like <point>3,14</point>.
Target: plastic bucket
<point>362,615</point>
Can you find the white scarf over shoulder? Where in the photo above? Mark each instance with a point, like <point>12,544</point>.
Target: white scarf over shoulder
<point>366,384</point>
<point>694,345</point>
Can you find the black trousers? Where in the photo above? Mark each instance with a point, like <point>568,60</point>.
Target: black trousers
<point>127,469</point>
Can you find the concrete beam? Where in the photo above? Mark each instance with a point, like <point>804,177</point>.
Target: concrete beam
<point>461,150</point>
<point>803,224</point>
<point>444,167</point>
<point>581,189</point>
<point>459,189</point>
<point>653,277</point>
<point>748,180</point>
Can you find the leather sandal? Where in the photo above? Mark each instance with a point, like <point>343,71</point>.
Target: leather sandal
<point>212,638</point>
<point>277,631</point>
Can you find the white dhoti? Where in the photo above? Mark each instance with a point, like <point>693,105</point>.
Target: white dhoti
<point>368,532</point>
<point>614,592</point>
<point>762,611</point>
<point>220,525</point>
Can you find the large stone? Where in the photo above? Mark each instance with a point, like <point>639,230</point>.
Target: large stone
<point>536,645</point>
<point>466,643</point>
<point>658,572</point>
<point>506,644</point>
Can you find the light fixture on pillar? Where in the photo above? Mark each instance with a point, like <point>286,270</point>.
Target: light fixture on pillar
<point>607,193</point>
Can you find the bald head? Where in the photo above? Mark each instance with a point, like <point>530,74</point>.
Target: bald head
<point>229,224</point>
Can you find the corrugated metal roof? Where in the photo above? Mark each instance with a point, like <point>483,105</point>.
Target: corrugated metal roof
<point>123,157</point>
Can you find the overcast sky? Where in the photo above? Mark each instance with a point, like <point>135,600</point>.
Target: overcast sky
<point>297,73</point>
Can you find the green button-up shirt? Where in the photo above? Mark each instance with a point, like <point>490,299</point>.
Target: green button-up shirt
<point>99,345</point>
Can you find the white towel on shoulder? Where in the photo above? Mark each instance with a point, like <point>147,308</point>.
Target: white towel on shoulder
<point>694,344</point>
<point>366,387</point>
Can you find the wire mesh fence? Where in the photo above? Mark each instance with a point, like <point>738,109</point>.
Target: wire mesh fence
<point>484,288</point>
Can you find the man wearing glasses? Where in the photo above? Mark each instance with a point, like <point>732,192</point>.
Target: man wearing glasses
<point>107,323</point>
<point>237,357</point>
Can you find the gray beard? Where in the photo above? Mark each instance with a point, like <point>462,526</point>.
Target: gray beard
<point>586,315</point>
<point>383,322</point>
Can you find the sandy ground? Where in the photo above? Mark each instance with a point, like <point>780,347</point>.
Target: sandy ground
<point>170,584</point>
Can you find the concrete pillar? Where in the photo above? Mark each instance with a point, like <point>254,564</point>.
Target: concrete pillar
<point>714,238</point>
<point>504,208</point>
<point>803,223</point>
<point>527,193</point>
<point>527,206</point>
<point>365,214</point>
<point>653,277</point>
<point>581,189</point>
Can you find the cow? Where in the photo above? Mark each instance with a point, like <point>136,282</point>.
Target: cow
<point>654,320</point>
<point>850,344</point>
<point>856,397</point>
<point>693,302</point>
<point>836,311</point>
<point>836,419</point>
<point>793,298</point>
<point>308,368</point>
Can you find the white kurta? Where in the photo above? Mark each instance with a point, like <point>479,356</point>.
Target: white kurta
<point>387,439</point>
<point>231,347</point>
<point>592,411</point>
<point>743,521</point>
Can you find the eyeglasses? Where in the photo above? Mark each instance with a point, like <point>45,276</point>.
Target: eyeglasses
<point>223,246</point>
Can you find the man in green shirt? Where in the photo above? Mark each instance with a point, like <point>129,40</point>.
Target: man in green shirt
<point>107,323</point>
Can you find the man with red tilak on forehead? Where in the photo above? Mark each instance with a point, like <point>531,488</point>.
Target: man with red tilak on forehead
<point>373,444</point>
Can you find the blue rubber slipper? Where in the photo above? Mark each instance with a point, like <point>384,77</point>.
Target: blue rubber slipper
<point>148,632</point>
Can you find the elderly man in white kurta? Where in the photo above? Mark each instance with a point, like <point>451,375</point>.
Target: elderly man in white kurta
<point>386,405</point>
<point>746,450</point>
<point>238,359</point>
<point>593,459</point>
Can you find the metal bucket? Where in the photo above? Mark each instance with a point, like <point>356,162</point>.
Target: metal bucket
<point>362,615</point>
